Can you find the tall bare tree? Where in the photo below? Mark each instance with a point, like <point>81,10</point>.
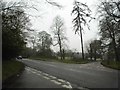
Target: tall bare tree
<point>59,33</point>
<point>82,13</point>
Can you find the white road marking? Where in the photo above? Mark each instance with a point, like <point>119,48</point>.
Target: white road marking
<point>65,86</point>
<point>27,69</point>
<point>33,72</point>
<point>46,77</point>
<point>56,82</point>
<point>39,71</point>
<point>43,73</point>
<point>81,88</point>
<point>46,74</point>
<point>69,84</point>
<point>54,79</point>
<point>51,65</point>
<point>61,80</point>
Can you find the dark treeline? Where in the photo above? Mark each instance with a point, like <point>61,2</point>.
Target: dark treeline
<point>14,21</point>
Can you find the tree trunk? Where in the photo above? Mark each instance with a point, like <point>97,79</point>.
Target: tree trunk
<point>60,46</point>
<point>82,44</point>
<point>95,55</point>
<point>90,52</point>
<point>115,49</point>
<point>81,39</point>
<point>60,51</point>
<point>63,54</point>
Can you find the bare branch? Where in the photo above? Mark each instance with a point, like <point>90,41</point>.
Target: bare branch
<point>54,4</point>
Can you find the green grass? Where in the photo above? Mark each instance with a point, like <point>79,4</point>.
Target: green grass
<point>69,61</point>
<point>10,68</point>
<point>111,64</point>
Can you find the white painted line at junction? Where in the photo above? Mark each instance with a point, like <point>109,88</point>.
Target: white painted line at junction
<point>46,77</point>
<point>51,65</point>
<point>52,77</point>
<point>39,71</point>
<point>56,82</point>
<point>61,80</point>
<point>27,69</point>
<point>33,72</point>
<point>69,84</point>
<point>46,74</point>
<point>39,74</point>
<point>65,86</point>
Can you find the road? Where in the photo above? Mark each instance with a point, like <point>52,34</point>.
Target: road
<point>57,75</point>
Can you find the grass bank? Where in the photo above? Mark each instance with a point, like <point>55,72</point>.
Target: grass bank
<point>111,64</point>
<point>69,61</point>
<point>11,68</point>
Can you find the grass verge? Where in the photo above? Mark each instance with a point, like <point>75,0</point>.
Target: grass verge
<point>11,68</point>
<point>69,61</point>
<point>112,64</point>
<point>72,61</point>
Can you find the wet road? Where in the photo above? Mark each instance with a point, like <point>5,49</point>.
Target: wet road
<point>92,75</point>
<point>31,78</point>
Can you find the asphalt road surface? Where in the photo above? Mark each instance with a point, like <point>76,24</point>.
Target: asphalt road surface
<point>44,74</point>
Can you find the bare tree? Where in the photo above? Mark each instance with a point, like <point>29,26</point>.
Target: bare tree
<point>110,24</point>
<point>54,3</point>
<point>109,33</point>
<point>110,8</point>
<point>21,4</point>
<point>82,13</point>
<point>59,33</point>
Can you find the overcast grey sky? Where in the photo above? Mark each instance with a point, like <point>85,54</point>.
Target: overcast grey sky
<point>47,12</point>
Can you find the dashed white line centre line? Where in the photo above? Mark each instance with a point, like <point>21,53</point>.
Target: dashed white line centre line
<point>53,79</point>
<point>56,82</point>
